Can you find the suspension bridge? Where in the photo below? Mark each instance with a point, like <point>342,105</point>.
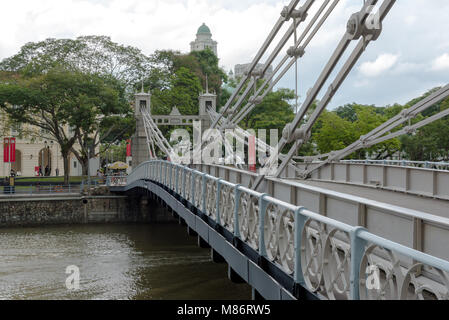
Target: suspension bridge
<point>305,227</point>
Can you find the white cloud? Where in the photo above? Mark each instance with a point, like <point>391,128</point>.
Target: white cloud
<point>410,20</point>
<point>240,27</point>
<point>441,63</point>
<point>403,68</point>
<point>383,63</point>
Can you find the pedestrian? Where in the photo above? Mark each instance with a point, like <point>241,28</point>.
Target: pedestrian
<point>57,172</point>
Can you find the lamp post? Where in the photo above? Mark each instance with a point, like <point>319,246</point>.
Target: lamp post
<point>88,167</point>
<point>57,159</point>
<point>87,147</point>
<point>49,156</point>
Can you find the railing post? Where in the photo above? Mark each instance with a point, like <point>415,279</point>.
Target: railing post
<point>192,187</point>
<point>160,171</point>
<point>237,193</point>
<point>357,251</point>
<point>300,221</point>
<point>177,180</point>
<point>170,182</point>
<point>203,194</point>
<point>184,182</point>
<point>217,211</point>
<point>153,170</point>
<point>262,210</point>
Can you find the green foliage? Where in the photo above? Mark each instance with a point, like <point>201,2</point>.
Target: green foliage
<point>88,54</point>
<point>273,113</point>
<point>109,69</point>
<point>340,128</point>
<point>208,62</point>
<point>113,153</point>
<point>57,99</point>
<point>177,79</point>
<point>430,143</point>
<point>335,133</point>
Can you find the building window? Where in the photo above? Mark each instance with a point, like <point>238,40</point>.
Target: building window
<point>74,164</point>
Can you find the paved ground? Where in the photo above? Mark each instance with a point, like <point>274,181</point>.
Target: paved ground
<point>424,204</point>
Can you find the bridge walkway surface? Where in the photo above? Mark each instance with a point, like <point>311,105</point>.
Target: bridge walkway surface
<point>425,204</point>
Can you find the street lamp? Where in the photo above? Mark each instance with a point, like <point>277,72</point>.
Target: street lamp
<point>57,160</point>
<point>49,157</point>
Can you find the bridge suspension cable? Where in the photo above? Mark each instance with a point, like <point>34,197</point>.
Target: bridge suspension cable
<point>384,132</point>
<point>155,137</point>
<point>362,26</point>
<point>294,53</point>
<point>286,13</point>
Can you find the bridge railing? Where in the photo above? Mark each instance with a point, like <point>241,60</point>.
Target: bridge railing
<point>115,181</point>
<point>404,163</point>
<point>331,258</point>
<point>416,178</point>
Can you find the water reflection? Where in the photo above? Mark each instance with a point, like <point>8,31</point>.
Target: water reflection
<point>115,262</point>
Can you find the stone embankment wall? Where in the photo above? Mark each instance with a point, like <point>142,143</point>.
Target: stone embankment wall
<point>21,211</point>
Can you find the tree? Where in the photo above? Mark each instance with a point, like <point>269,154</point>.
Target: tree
<point>274,112</point>
<point>208,62</point>
<point>88,54</point>
<point>106,127</point>
<point>121,67</point>
<point>335,133</point>
<point>172,75</point>
<point>57,100</point>
<point>335,130</point>
<point>430,143</point>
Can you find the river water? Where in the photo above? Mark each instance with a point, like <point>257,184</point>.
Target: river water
<point>115,262</point>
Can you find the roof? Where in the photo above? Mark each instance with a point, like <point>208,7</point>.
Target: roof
<point>203,29</point>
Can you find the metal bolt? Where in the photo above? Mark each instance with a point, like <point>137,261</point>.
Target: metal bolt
<point>351,27</point>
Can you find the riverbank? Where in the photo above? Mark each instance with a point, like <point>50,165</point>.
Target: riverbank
<point>66,209</point>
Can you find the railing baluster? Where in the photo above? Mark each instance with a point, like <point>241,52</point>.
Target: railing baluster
<point>300,221</point>
<point>237,194</point>
<point>262,210</point>
<point>217,209</point>
<point>357,251</point>
<point>203,193</point>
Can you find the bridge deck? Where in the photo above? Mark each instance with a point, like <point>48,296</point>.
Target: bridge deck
<point>425,204</point>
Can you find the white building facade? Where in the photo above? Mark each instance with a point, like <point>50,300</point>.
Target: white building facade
<point>204,40</point>
<point>36,149</point>
<point>241,69</point>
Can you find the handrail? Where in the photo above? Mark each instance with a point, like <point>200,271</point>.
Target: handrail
<point>310,247</point>
<point>404,163</point>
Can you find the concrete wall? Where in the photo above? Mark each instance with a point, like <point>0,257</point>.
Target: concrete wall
<point>31,211</point>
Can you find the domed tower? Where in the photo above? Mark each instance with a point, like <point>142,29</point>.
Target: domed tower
<point>203,40</point>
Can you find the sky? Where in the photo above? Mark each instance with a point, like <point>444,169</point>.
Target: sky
<point>410,57</point>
